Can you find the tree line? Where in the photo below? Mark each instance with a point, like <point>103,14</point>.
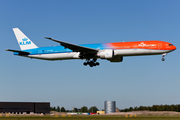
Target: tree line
<point>153,108</point>
<point>85,109</point>
<point>94,109</point>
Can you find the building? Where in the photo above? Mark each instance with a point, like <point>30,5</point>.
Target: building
<point>100,112</point>
<point>24,107</point>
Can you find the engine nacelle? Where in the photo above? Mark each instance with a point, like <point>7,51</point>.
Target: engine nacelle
<point>116,59</point>
<point>106,54</point>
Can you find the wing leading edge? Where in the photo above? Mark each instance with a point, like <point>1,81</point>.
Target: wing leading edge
<point>74,47</point>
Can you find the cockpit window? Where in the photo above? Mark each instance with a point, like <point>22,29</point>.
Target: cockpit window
<point>171,45</point>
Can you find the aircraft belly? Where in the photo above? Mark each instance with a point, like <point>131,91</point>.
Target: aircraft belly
<point>56,56</point>
<point>135,52</point>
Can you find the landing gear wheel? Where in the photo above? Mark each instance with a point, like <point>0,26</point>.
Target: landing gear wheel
<point>85,63</point>
<point>91,63</point>
<point>94,64</point>
<point>97,63</point>
<point>163,59</point>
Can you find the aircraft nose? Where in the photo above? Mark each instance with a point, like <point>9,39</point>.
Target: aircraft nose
<point>174,47</point>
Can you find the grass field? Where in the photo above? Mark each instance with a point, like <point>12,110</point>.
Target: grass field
<point>93,118</point>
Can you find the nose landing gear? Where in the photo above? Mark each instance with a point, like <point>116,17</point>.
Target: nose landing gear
<point>163,55</point>
<point>91,63</point>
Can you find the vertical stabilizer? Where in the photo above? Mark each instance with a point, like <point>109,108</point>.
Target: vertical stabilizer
<point>23,41</point>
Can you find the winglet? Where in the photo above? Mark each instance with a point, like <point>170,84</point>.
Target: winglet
<point>47,37</point>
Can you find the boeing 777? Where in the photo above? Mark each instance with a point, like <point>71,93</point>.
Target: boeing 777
<point>113,52</point>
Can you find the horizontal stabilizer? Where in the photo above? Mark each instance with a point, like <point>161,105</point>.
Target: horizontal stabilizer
<point>18,51</point>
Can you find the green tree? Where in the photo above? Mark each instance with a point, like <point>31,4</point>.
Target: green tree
<point>135,108</point>
<point>165,107</point>
<point>172,107</point>
<point>153,108</point>
<point>63,109</point>
<point>141,108</point>
<point>84,109</point>
<point>149,108</point>
<point>51,108</point>
<point>93,109</point>
<point>58,109</point>
<point>126,110</point>
<point>75,110</point>
<point>178,108</point>
<point>168,108</point>
<point>54,109</point>
<point>130,109</point>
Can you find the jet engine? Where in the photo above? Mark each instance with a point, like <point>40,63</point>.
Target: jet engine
<point>106,54</point>
<point>116,59</point>
<point>109,55</point>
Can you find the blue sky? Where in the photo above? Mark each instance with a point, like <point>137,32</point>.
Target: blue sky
<point>144,80</point>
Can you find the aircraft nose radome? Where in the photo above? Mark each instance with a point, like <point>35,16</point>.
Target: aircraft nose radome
<point>174,47</point>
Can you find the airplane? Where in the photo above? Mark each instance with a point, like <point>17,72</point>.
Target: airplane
<point>113,52</point>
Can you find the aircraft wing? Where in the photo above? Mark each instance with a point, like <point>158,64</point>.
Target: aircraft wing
<point>75,48</point>
<point>18,51</point>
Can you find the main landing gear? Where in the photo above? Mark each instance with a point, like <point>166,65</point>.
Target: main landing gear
<point>91,63</point>
<point>163,55</point>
